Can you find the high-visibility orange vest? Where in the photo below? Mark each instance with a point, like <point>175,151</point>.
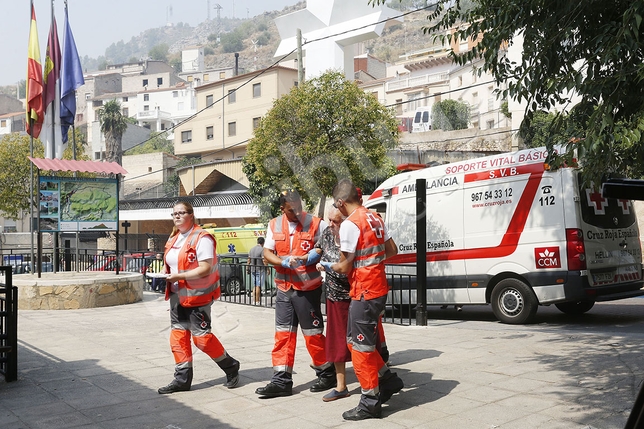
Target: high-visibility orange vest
<point>303,277</point>
<point>368,278</point>
<point>195,292</point>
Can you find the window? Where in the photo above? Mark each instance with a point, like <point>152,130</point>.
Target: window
<point>190,78</point>
<point>232,129</point>
<point>159,81</point>
<point>209,133</point>
<point>146,97</point>
<point>399,107</point>
<point>460,81</point>
<point>146,108</point>
<point>145,83</point>
<point>162,127</point>
<point>3,123</point>
<point>149,169</point>
<point>232,96</point>
<point>413,101</point>
<point>97,155</point>
<point>126,112</point>
<point>87,95</point>
<point>490,124</point>
<point>186,136</point>
<point>222,75</point>
<point>475,98</point>
<point>206,77</point>
<point>79,117</point>
<point>125,99</point>
<point>257,90</point>
<point>490,103</point>
<point>175,94</point>
<point>209,100</point>
<point>256,122</point>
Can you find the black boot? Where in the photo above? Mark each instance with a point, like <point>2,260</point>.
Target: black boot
<point>231,367</point>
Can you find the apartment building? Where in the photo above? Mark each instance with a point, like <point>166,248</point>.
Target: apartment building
<point>228,111</point>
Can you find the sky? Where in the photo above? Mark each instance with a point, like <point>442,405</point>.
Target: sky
<point>96,24</point>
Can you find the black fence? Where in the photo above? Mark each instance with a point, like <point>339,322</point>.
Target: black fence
<point>67,259</point>
<point>237,284</point>
<point>8,325</point>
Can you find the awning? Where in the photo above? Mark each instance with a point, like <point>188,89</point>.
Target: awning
<point>78,166</point>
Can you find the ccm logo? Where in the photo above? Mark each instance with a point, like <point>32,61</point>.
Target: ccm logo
<point>547,257</point>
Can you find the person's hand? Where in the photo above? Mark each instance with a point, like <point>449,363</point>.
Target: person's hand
<point>319,267</point>
<point>326,265</point>
<point>291,262</point>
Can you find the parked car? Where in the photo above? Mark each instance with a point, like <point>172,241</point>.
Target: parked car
<point>232,273</point>
<point>25,267</point>
<point>134,262</point>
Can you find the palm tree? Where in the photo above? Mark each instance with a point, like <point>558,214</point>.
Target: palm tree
<point>113,125</point>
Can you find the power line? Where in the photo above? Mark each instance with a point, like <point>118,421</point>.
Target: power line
<point>273,66</point>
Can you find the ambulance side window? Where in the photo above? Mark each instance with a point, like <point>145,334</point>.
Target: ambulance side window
<point>380,209</point>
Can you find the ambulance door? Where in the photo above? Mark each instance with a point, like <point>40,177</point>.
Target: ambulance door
<point>446,281</point>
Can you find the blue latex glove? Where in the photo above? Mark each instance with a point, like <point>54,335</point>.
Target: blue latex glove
<point>313,257</point>
<point>327,265</point>
<point>286,264</point>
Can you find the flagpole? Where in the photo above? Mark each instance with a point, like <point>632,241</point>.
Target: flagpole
<point>31,197</point>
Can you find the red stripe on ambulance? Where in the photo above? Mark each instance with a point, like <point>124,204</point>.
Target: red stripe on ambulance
<point>510,239</point>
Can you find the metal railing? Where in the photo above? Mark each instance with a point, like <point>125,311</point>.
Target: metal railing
<point>8,325</point>
<point>400,307</point>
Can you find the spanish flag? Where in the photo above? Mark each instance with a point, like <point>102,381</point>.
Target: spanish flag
<point>35,109</point>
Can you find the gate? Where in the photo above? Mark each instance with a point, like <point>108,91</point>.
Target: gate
<point>8,325</point>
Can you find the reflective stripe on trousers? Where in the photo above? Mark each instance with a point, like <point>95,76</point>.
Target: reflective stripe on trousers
<point>292,309</point>
<point>362,337</point>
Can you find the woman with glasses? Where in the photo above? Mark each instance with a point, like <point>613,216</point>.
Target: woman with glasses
<point>192,286</point>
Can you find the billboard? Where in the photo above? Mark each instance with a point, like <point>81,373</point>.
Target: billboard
<point>77,204</point>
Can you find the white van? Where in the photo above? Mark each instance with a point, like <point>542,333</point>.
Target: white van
<point>422,120</point>
<point>503,230</point>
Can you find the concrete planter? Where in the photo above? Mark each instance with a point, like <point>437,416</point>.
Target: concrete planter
<point>71,290</point>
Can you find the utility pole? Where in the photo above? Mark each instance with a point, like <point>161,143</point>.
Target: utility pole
<point>219,8</point>
<point>300,66</point>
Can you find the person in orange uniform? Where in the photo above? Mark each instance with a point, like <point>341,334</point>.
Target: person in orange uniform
<point>294,233</point>
<point>192,286</point>
<point>364,244</point>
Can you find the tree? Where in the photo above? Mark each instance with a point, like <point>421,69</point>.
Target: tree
<point>159,52</point>
<point>113,125</point>
<point>15,169</point>
<point>157,142</point>
<point>450,115</point>
<point>592,49</point>
<point>232,42</point>
<point>323,130</point>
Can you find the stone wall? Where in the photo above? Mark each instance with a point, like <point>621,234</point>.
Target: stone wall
<point>71,291</point>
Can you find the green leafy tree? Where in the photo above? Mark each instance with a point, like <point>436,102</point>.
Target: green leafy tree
<point>450,115</point>
<point>323,130</point>
<point>157,142</point>
<point>592,49</point>
<point>15,169</point>
<point>232,42</point>
<point>113,125</point>
<point>159,52</point>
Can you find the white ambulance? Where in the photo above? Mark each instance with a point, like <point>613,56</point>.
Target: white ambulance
<point>503,230</point>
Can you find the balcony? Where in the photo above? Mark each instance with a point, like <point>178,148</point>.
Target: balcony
<point>413,82</point>
<point>153,115</point>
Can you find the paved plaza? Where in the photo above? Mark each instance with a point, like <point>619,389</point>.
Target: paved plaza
<point>100,368</point>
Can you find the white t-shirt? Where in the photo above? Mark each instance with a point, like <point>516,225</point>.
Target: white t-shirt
<point>269,243</point>
<point>205,251</point>
<point>349,235</point>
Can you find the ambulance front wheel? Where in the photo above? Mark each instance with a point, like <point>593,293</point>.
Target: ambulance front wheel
<point>513,302</point>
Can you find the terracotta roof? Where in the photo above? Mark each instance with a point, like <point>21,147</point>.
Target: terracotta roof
<point>80,166</point>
